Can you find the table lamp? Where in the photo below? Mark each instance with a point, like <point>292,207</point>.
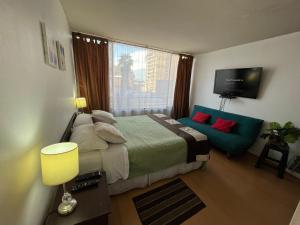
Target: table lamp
<point>60,164</point>
<point>80,103</point>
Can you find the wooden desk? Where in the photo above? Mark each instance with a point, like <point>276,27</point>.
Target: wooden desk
<point>93,206</point>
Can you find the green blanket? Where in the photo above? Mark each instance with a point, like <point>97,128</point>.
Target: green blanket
<point>151,147</point>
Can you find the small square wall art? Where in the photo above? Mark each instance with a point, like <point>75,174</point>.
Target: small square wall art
<point>61,56</point>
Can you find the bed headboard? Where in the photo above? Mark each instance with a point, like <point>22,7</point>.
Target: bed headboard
<point>67,134</point>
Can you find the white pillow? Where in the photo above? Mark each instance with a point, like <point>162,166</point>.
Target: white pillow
<point>109,133</point>
<point>87,139</point>
<point>83,118</point>
<point>103,116</point>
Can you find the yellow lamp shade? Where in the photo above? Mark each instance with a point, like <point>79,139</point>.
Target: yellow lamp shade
<point>59,163</point>
<point>80,103</point>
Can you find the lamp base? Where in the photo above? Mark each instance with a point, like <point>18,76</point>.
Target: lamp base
<point>67,205</point>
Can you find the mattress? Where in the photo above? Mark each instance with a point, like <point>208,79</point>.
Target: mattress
<point>89,161</point>
<point>148,179</point>
<point>150,151</point>
<point>113,160</point>
<point>151,147</point>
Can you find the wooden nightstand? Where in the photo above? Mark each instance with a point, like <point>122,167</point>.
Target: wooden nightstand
<point>93,206</point>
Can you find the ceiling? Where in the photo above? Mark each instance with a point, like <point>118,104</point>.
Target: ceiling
<point>190,26</point>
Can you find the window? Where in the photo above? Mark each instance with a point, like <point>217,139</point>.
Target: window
<point>141,80</point>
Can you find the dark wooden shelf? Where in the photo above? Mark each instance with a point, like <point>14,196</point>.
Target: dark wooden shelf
<point>93,206</point>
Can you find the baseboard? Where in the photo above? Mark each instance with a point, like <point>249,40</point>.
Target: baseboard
<point>290,172</point>
<point>294,174</point>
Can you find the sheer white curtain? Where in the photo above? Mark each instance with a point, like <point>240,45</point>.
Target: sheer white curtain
<point>141,80</point>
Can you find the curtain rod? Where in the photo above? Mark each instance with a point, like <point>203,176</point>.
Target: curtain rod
<point>132,43</point>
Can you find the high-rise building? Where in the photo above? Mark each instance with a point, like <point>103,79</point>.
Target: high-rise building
<point>158,66</point>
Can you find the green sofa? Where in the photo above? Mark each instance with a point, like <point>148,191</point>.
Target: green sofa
<point>242,136</point>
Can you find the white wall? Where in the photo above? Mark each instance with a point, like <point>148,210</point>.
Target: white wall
<point>35,105</point>
<point>279,95</point>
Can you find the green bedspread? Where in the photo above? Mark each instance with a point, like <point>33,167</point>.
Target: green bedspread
<point>151,147</point>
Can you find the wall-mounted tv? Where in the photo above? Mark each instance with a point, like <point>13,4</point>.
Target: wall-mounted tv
<point>243,82</point>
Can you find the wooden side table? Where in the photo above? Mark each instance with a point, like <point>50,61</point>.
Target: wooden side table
<point>282,163</point>
<point>93,206</point>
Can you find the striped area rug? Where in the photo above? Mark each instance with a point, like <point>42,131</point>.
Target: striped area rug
<point>169,204</point>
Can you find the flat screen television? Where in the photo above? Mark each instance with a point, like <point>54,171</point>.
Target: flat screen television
<point>243,82</point>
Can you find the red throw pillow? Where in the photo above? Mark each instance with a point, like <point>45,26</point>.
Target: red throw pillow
<point>201,117</point>
<point>223,125</point>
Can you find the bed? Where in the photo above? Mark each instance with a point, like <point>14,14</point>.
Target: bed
<point>154,150</point>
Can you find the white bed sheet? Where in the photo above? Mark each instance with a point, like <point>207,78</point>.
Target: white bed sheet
<point>113,160</point>
<point>89,161</point>
<point>122,186</point>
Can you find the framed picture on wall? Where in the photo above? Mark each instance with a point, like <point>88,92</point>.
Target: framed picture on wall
<point>44,42</point>
<point>53,60</point>
<point>49,47</point>
<point>61,56</point>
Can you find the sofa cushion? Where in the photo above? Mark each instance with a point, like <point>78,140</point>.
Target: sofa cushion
<point>246,126</point>
<point>243,134</point>
<point>230,142</point>
<point>223,125</point>
<point>201,117</point>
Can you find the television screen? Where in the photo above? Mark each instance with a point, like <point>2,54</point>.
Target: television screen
<point>238,82</point>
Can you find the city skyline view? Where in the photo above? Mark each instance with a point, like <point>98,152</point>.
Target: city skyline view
<point>141,78</point>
